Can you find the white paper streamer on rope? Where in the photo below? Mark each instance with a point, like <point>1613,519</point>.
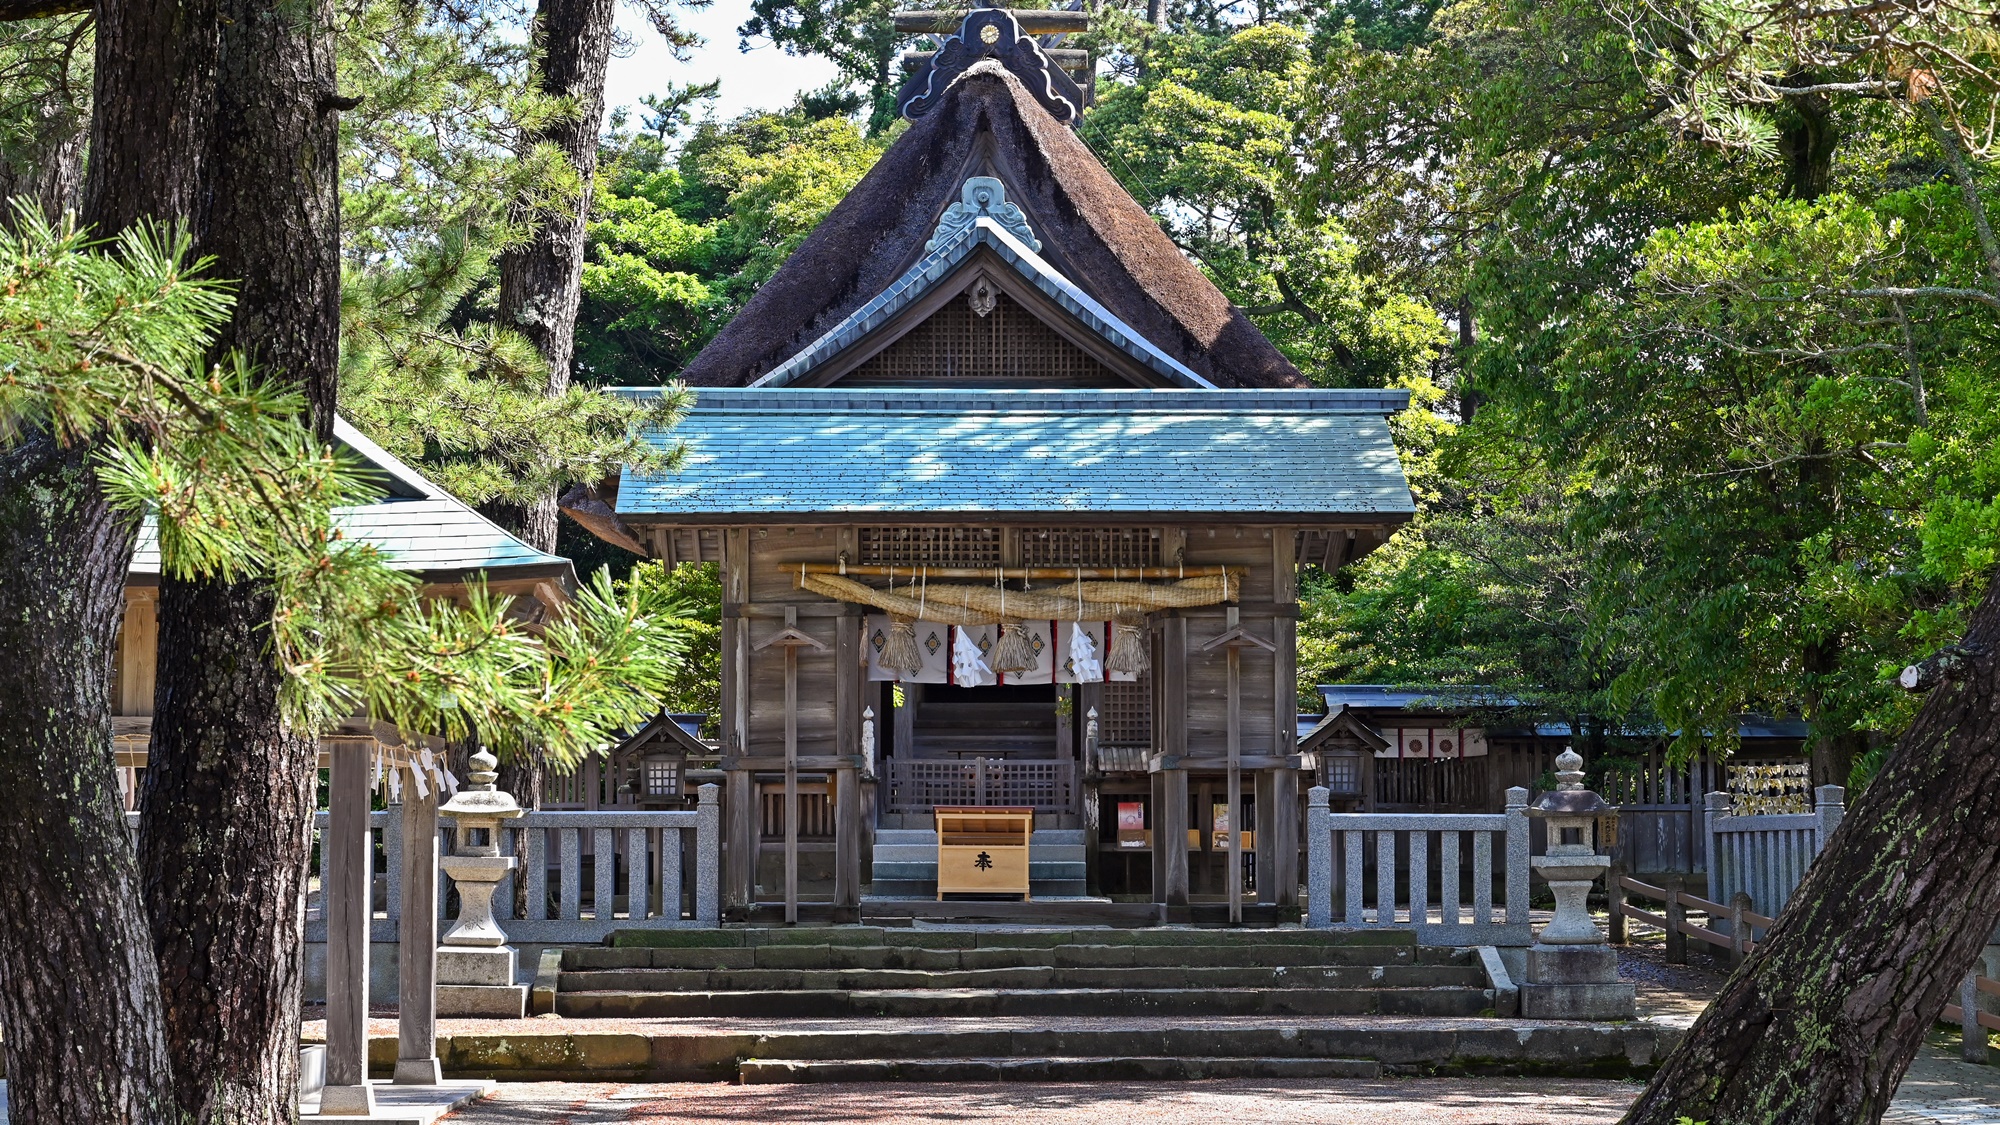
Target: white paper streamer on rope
<point>417,781</point>
<point>450,782</point>
<point>1083,655</point>
<point>395,787</point>
<point>968,664</point>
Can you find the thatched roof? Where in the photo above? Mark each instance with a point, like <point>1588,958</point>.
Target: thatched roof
<point>1091,229</point>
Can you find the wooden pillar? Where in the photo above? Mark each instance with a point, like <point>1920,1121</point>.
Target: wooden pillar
<point>1090,803</point>
<point>349,906</point>
<point>739,887</point>
<point>791,773</point>
<point>1282,874</point>
<point>740,807</point>
<point>1233,880</point>
<point>1285,814</point>
<point>1170,796</point>
<point>848,829</point>
<point>416,943</point>
<point>1267,813</point>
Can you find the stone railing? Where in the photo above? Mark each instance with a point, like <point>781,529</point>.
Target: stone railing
<point>649,870</point>
<point>1337,855</point>
<point>1766,855</point>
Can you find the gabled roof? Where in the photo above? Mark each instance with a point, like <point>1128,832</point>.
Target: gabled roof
<point>1341,721</point>
<point>940,267</point>
<point>1094,235</point>
<point>418,525</point>
<point>752,455</point>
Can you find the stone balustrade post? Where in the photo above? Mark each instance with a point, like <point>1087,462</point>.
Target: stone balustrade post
<point>1829,806</point>
<point>708,856</point>
<point>1319,860</point>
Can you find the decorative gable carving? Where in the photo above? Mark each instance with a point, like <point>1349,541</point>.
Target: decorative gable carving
<point>982,197</point>
<point>993,34</point>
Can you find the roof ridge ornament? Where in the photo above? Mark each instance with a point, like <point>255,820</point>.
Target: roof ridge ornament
<point>982,197</point>
<point>993,33</point>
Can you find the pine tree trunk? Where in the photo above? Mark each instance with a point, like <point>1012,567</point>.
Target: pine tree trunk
<point>79,998</point>
<point>541,284</point>
<point>229,789</point>
<point>1822,1020</point>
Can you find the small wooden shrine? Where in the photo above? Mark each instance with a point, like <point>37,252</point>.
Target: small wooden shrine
<point>1009,504</point>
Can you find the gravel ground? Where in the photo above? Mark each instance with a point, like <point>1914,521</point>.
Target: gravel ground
<point>1438,1101</point>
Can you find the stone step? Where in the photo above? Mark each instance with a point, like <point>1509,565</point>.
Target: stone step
<point>938,1002</point>
<point>1109,1068</point>
<point>644,978</point>
<point>1025,937</point>
<point>698,1050</point>
<point>1066,956</point>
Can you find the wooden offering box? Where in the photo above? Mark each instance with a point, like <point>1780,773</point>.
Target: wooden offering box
<point>984,850</point>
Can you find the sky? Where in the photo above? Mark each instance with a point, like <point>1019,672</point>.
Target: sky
<point>765,78</point>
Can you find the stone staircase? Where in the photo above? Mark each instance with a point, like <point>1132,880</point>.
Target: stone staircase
<point>862,1003</point>
<point>905,863</point>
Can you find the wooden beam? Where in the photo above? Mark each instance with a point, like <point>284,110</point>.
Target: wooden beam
<point>1032,22</point>
<point>416,944</point>
<point>1207,764</point>
<point>349,908</point>
<point>1234,724</point>
<point>792,769</point>
<point>848,831</point>
<point>1039,573</point>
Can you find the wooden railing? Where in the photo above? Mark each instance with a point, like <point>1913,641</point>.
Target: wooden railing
<point>1737,938</point>
<point>918,785</point>
<point>1338,842</point>
<point>1973,1024</point>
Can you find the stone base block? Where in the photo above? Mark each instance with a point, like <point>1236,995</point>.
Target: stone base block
<point>347,1101</point>
<point>1572,964</point>
<point>461,965</point>
<point>418,1072</point>
<point>1577,1001</point>
<point>493,1001</point>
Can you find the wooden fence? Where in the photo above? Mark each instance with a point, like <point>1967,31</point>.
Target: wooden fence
<point>1340,842</point>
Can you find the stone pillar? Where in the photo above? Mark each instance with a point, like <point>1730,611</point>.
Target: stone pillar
<point>476,966</point>
<point>416,937</point>
<point>1572,973</point>
<point>349,898</point>
<point>1319,860</point>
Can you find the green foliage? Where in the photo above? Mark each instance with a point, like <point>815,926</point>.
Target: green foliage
<point>695,590</point>
<point>680,241</point>
<point>108,348</point>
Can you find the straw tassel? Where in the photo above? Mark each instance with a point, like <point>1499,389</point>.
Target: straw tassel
<point>899,652</point>
<point>1013,653</point>
<point>1128,656</point>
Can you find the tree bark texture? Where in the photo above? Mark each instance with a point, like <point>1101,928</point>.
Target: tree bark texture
<point>541,283</point>
<point>79,987</point>
<point>229,790</point>
<point>79,997</point>
<point>1822,1020</point>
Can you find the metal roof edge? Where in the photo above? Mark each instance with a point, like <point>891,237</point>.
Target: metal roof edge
<point>926,400</point>
<point>941,264</point>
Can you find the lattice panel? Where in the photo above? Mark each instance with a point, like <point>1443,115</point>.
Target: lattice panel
<point>1009,344</point>
<point>1085,546</point>
<point>815,816</point>
<point>1126,715</point>
<point>921,784</point>
<point>930,546</point>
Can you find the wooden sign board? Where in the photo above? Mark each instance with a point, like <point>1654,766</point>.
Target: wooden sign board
<point>984,850</point>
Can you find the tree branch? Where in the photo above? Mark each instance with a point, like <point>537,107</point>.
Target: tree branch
<point>36,9</point>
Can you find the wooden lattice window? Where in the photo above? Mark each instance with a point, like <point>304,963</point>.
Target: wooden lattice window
<point>1127,715</point>
<point>930,546</point>
<point>1008,345</point>
<point>1084,546</point>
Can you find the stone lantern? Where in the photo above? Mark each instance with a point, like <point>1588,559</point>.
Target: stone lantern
<point>1572,973</point>
<point>476,966</point>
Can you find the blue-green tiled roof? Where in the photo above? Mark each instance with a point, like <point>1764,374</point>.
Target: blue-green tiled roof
<point>788,453</point>
<point>418,525</point>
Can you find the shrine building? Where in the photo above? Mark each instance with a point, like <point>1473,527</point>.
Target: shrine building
<point>1009,504</point>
